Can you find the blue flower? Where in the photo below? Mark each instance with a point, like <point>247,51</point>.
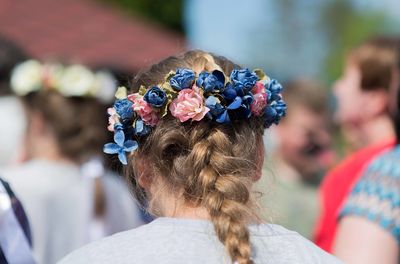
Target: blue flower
<point>270,115</point>
<point>243,80</point>
<point>229,92</point>
<point>141,129</point>
<point>280,108</point>
<point>274,113</point>
<point>211,82</point>
<point>124,108</point>
<point>217,111</point>
<point>155,97</point>
<point>275,87</point>
<point>120,146</point>
<point>242,105</point>
<point>183,78</point>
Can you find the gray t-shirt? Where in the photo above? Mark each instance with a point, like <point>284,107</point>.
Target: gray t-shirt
<point>173,240</point>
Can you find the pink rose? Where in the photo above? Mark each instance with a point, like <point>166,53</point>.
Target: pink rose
<point>144,110</point>
<point>259,99</point>
<point>112,119</point>
<point>189,105</point>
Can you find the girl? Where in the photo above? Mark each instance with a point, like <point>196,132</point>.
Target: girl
<point>64,132</point>
<point>195,138</point>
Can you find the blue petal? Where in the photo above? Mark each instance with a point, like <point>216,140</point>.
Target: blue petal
<point>211,101</point>
<point>229,93</point>
<point>111,148</point>
<point>130,145</point>
<point>235,104</point>
<point>119,137</point>
<point>122,157</point>
<point>141,129</point>
<point>220,76</point>
<point>223,118</point>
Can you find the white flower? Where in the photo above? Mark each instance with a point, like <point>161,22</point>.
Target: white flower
<point>27,77</point>
<point>105,86</point>
<point>76,80</point>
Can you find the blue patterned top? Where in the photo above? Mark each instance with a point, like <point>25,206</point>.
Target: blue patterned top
<point>376,196</point>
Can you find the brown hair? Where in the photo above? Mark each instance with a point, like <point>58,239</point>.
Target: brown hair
<point>212,164</point>
<point>376,61</point>
<point>310,94</point>
<point>10,55</point>
<point>78,123</point>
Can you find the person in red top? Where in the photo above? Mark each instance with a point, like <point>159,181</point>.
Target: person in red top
<point>362,94</point>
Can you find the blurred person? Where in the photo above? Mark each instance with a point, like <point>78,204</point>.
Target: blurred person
<point>191,140</point>
<point>15,235</point>
<point>369,223</point>
<point>363,101</point>
<point>68,196</point>
<point>302,155</point>
<point>12,121</point>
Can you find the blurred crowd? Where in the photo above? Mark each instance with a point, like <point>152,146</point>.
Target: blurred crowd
<point>331,170</point>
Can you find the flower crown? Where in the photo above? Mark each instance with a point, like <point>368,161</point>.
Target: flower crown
<point>72,80</point>
<point>210,95</point>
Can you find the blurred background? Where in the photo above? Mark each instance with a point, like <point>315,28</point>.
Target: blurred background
<point>302,43</point>
<point>288,38</point>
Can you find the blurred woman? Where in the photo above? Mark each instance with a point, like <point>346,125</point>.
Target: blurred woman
<point>65,130</point>
<point>369,223</point>
<point>15,235</point>
<point>363,98</point>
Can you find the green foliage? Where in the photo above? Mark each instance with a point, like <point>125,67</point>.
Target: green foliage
<point>347,27</point>
<point>167,13</point>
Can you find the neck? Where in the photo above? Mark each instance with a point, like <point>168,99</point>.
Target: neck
<point>176,208</point>
<point>46,148</point>
<point>378,130</point>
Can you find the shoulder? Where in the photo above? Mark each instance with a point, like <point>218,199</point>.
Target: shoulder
<point>110,249</point>
<point>376,196</point>
<point>280,245</point>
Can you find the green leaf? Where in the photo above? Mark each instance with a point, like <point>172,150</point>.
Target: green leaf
<point>142,90</point>
<point>260,74</point>
<point>121,92</point>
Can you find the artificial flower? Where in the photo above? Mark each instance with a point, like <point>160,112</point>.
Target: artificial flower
<point>27,77</point>
<point>76,80</point>
<point>182,79</point>
<point>259,99</point>
<point>189,105</point>
<point>211,82</point>
<point>155,97</point>
<point>120,147</point>
<point>124,108</point>
<point>144,110</point>
<point>243,80</point>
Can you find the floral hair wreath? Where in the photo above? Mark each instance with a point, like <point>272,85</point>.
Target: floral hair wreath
<point>73,80</point>
<point>209,96</point>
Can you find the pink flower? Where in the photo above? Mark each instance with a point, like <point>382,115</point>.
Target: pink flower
<point>260,99</point>
<point>112,119</point>
<point>144,110</point>
<point>189,105</point>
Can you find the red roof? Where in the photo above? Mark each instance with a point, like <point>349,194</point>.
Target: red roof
<point>85,31</point>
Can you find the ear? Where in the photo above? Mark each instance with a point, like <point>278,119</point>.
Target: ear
<point>143,173</point>
<point>377,102</point>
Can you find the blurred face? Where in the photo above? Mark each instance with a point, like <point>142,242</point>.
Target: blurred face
<point>305,141</point>
<point>349,96</point>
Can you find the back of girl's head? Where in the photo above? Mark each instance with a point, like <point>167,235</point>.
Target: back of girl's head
<point>64,98</point>
<point>205,164</point>
<point>77,123</point>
